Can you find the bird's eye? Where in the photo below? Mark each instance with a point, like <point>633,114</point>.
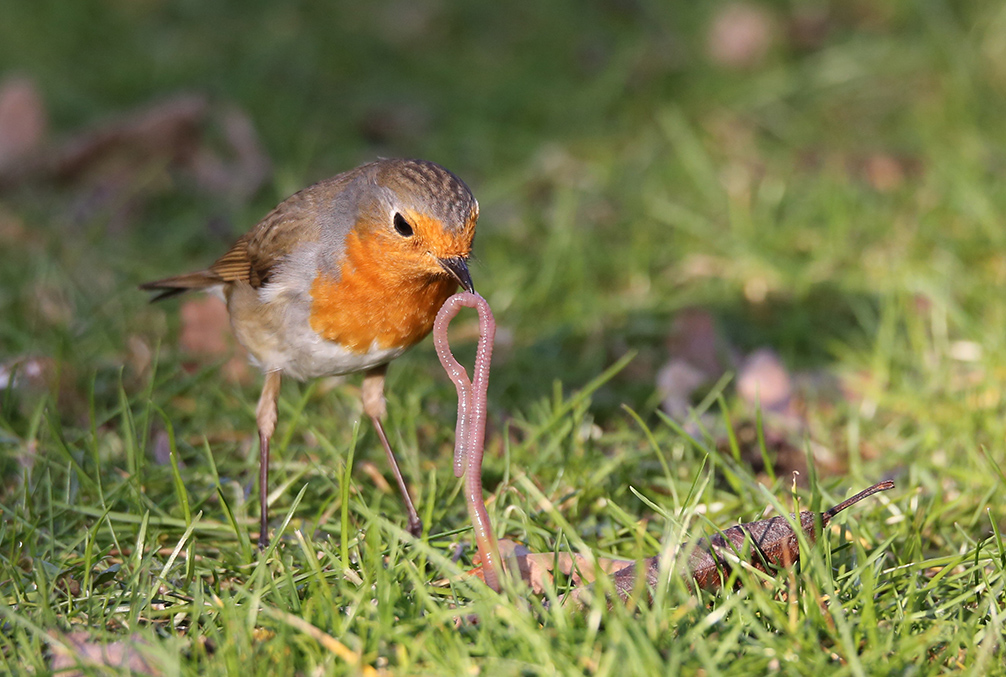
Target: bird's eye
<point>402,226</point>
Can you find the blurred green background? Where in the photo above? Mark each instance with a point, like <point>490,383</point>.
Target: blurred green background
<point>631,157</point>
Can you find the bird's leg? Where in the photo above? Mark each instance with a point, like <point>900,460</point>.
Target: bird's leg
<point>373,406</point>
<point>266,414</point>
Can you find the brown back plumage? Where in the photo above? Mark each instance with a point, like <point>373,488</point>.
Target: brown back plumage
<point>326,211</point>
<point>252,258</point>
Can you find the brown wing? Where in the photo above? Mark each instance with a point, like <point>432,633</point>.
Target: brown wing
<point>251,259</point>
<point>254,256</point>
<point>256,253</point>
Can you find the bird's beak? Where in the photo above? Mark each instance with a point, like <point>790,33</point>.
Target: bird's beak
<point>458,269</point>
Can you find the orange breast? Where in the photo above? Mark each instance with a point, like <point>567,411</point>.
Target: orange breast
<point>376,300</point>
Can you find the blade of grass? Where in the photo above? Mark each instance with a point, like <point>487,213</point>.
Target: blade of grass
<point>240,533</point>
<point>344,490</point>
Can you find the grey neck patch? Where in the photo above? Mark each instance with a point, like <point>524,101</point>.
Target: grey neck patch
<point>374,190</point>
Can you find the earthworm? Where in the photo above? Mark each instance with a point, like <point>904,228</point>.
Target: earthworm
<point>471,427</point>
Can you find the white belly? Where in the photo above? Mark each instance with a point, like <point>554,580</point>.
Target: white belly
<point>273,324</point>
<point>313,358</point>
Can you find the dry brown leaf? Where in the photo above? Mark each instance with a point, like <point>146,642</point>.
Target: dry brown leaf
<point>694,346</point>
<point>769,546</point>
<point>695,338</point>
<point>167,131</point>
<point>740,36</point>
<point>162,448</point>
<point>74,653</point>
<point>116,165</point>
<point>206,328</point>
<point>138,356</point>
<point>676,382</point>
<point>884,172</point>
<point>206,332</point>
<point>764,381</point>
<point>23,121</point>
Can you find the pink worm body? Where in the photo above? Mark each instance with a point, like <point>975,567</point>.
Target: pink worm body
<point>471,428</point>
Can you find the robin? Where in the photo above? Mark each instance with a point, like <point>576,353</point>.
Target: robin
<point>343,277</point>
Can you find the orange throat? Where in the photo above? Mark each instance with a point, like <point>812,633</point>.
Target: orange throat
<point>372,304</point>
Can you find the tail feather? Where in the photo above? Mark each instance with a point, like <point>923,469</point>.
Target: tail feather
<point>173,286</point>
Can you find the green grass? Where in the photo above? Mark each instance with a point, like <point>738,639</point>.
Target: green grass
<point>622,177</point>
